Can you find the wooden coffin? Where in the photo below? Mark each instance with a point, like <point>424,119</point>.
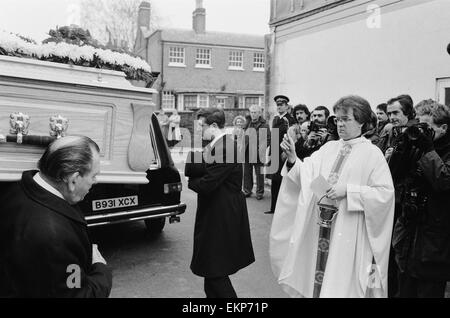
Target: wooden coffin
<point>98,103</point>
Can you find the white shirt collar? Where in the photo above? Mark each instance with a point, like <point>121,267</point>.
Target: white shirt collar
<point>44,184</point>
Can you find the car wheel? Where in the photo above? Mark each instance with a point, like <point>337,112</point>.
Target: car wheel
<point>155,226</point>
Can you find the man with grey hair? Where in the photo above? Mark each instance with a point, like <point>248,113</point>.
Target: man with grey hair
<point>255,149</point>
<point>45,249</point>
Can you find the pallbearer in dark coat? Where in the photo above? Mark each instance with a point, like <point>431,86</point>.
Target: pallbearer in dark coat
<point>222,241</point>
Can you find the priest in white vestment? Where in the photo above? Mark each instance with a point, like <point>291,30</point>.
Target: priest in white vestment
<point>363,192</point>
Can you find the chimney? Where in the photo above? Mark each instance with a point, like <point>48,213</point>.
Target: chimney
<point>199,18</point>
<point>144,15</point>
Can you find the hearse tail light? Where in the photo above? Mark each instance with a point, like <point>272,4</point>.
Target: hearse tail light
<point>172,187</point>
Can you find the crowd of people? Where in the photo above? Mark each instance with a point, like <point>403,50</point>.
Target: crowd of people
<point>359,201</point>
<point>398,179</point>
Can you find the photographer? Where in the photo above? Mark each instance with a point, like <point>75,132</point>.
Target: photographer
<point>421,238</point>
<point>319,133</point>
<point>301,115</point>
<point>400,111</point>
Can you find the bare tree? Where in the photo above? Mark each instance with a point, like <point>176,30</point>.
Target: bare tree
<point>113,20</point>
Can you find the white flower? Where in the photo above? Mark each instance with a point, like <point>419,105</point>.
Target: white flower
<point>12,43</point>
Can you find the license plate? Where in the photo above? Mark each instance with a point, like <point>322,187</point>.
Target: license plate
<point>114,203</point>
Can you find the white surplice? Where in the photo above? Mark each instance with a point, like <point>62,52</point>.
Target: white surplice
<point>360,233</point>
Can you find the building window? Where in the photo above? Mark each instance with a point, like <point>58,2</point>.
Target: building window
<point>221,101</point>
<point>190,101</point>
<point>176,56</point>
<point>196,101</point>
<point>258,61</point>
<point>203,100</point>
<point>203,58</point>
<point>252,100</point>
<point>168,100</point>
<point>236,60</point>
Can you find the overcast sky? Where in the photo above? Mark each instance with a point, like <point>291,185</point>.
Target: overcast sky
<point>34,18</point>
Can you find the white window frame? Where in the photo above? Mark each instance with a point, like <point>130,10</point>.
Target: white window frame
<point>234,57</point>
<point>241,102</point>
<point>203,55</point>
<point>180,100</point>
<point>199,102</point>
<point>177,56</point>
<point>168,96</point>
<point>259,62</point>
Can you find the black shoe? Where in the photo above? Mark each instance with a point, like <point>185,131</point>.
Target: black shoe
<point>259,197</point>
<point>247,195</point>
<point>268,212</point>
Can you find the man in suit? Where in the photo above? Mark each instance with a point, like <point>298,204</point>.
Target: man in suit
<point>45,249</point>
<point>222,242</point>
<point>280,125</point>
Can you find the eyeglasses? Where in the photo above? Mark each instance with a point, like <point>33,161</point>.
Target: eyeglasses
<point>344,119</point>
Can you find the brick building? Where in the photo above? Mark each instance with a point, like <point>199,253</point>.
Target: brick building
<point>199,68</point>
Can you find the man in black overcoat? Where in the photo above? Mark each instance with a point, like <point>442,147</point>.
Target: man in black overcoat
<point>222,241</point>
<point>45,249</point>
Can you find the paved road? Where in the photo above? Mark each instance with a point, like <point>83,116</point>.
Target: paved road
<point>147,267</point>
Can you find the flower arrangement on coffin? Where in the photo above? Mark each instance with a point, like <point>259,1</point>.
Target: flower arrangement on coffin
<point>79,51</point>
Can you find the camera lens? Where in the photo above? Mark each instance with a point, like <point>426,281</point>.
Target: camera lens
<point>413,132</point>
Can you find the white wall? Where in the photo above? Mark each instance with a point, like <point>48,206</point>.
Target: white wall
<point>406,55</point>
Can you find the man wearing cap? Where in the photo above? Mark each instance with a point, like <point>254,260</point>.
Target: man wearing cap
<point>281,123</point>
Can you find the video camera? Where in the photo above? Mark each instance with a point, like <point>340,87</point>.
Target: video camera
<point>403,161</point>
<point>316,127</point>
<point>414,129</point>
<point>331,128</point>
<point>413,132</point>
